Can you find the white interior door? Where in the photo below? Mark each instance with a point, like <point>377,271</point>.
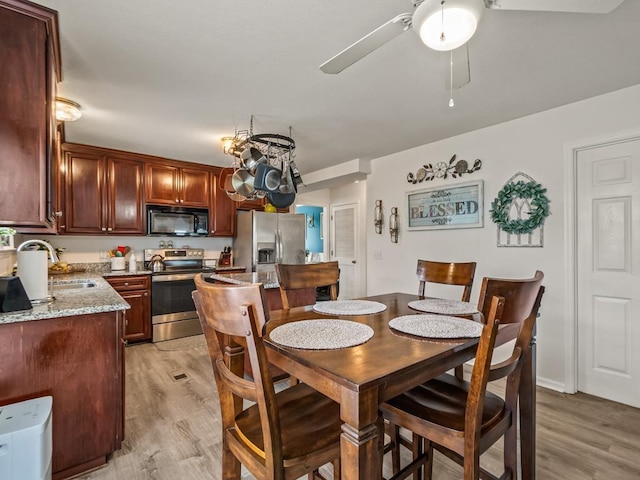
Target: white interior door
<point>344,248</point>
<point>608,259</point>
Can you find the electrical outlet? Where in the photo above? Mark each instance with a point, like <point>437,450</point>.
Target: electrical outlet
<point>377,255</point>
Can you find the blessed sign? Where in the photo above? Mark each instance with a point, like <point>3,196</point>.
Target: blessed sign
<point>459,206</point>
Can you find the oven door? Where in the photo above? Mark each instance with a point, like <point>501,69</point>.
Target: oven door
<point>173,313</point>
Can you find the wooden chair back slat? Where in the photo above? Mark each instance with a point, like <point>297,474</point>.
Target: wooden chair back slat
<point>310,275</point>
<point>448,274</point>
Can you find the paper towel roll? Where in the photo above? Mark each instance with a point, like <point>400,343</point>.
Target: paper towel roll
<point>33,273</point>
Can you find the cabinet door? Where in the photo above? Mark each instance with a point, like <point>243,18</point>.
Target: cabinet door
<point>23,120</point>
<point>194,187</point>
<point>222,211</point>
<point>84,210</point>
<point>136,290</point>
<point>125,197</point>
<point>161,184</point>
<point>138,318</point>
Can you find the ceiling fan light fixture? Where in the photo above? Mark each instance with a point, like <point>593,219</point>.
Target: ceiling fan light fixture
<point>445,25</point>
<point>66,110</point>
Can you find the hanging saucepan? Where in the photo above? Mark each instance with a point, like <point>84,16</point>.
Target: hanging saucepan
<point>228,188</point>
<point>281,200</point>
<point>295,173</point>
<point>287,184</point>
<point>251,157</point>
<point>267,178</point>
<point>242,182</point>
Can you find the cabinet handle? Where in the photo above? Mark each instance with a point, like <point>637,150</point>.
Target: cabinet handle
<point>181,201</point>
<point>103,229</point>
<point>126,284</point>
<point>213,231</point>
<point>57,214</point>
<point>109,229</point>
<point>146,294</point>
<point>177,200</point>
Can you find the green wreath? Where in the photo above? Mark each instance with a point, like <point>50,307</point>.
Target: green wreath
<point>502,203</point>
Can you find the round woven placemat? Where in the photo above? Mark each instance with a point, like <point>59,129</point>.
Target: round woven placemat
<point>436,326</point>
<point>321,334</point>
<point>444,306</point>
<point>349,307</point>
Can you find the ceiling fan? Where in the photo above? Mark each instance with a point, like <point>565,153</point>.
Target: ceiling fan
<point>446,25</point>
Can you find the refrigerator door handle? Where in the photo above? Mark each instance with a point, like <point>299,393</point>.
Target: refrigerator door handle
<point>278,246</point>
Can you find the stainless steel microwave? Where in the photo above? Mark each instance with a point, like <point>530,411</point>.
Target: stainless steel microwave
<point>178,221</point>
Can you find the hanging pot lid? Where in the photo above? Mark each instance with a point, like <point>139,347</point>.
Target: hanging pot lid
<point>267,178</point>
<point>242,182</point>
<point>251,158</point>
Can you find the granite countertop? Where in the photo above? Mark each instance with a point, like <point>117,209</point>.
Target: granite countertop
<point>70,302</point>
<point>268,279</point>
<point>125,273</point>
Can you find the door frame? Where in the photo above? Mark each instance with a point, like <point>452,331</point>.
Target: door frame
<point>571,151</point>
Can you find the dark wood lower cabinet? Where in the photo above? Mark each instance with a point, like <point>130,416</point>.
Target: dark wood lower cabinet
<point>79,361</point>
<point>136,291</point>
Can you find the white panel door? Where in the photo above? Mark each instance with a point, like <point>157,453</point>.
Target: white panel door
<point>608,259</point>
<point>344,249</point>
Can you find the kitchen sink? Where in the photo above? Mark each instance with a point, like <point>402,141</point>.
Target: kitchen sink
<point>73,285</point>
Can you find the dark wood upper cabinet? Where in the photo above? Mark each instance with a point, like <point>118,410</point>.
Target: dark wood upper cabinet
<point>172,185</point>
<point>103,193</point>
<point>29,71</point>
<point>222,212</point>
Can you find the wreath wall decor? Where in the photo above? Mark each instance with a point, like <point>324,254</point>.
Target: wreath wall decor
<point>532,191</point>
<point>455,168</point>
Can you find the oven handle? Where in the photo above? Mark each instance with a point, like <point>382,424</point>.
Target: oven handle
<point>173,278</point>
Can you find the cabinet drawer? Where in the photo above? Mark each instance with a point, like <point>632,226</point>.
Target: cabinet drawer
<point>125,283</point>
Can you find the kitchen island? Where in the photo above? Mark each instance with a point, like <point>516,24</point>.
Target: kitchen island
<point>269,280</point>
<point>73,350</point>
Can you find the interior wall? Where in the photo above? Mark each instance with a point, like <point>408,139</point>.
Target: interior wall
<point>534,145</point>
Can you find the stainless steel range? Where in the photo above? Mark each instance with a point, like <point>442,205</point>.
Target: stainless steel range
<point>173,314</point>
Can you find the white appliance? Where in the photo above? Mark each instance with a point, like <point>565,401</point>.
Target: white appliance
<point>264,239</point>
<point>26,440</point>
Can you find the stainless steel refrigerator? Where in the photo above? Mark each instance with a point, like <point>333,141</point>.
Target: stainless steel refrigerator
<point>264,239</point>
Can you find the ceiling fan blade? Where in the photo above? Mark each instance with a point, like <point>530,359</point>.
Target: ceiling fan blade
<point>367,44</point>
<point>573,6</point>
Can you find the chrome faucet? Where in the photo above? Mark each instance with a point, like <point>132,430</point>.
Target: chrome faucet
<point>52,252</point>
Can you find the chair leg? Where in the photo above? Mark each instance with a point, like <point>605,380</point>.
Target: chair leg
<point>459,372</point>
<point>511,453</point>
<point>394,433</point>
<point>336,469</point>
<point>417,447</point>
<point>471,466</point>
<point>231,467</point>
<point>428,467</point>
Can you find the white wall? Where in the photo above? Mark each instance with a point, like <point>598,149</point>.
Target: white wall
<point>535,145</point>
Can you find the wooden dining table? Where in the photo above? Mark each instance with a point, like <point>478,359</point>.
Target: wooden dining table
<point>359,378</point>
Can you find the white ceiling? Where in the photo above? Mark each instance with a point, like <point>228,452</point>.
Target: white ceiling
<point>170,78</point>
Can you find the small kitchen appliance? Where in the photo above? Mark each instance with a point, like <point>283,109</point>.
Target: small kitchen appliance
<point>26,440</point>
<point>177,221</point>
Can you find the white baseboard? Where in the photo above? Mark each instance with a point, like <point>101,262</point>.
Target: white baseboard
<point>551,384</point>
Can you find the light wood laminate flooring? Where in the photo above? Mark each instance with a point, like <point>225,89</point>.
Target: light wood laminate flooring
<point>172,426</point>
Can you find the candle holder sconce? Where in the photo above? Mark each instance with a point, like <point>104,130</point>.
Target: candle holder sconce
<point>393,225</point>
<point>378,220</point>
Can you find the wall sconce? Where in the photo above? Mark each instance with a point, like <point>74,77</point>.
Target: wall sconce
<point>66,110</point>
<point>393,224</point>
<point>377,217</point>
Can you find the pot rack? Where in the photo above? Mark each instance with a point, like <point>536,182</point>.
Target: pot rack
<point>276,148</point>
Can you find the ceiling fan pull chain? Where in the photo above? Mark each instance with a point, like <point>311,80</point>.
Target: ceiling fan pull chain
<point>442,36</point>
<point>451,102</point>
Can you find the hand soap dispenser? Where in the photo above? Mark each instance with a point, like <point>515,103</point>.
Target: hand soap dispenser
<point>133,267</point>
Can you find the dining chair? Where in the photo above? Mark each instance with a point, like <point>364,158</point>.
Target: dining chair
<point>461,419</point>
<point>448,274</point>
<point>303,276</point>
<point>282,435</point>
